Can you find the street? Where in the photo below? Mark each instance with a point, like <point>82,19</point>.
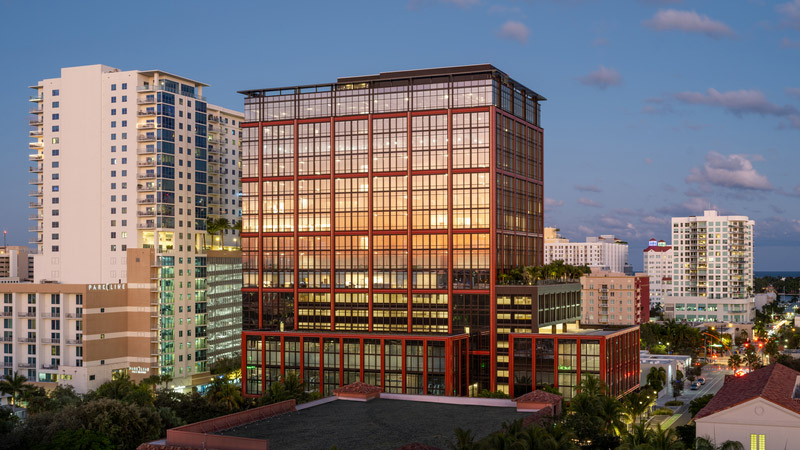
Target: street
<point>714,375</point>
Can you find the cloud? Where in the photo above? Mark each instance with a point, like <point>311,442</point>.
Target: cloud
<point>788,43</point>
<point>668,187</point>
<point>551,203</point>
<point>602,78</point>
<point>589,188</point>
<point>585,230</point>
<point>653,220</point>
<point>731,171</point>
<point>656,105</point>
<point>794,92</point>
<point>648,161</point>
<point>514,30</point>
<point>737,102</point>
<point>588,202</point>
<point>689,21</point>
<point>791,14</point>
<point>692,206</point>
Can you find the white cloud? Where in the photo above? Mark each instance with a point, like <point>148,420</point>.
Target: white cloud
<point>514,30</point>
<point>731,171</point>
<point>791,13</point>
<point>794,92</point>
<point>588,202</point>
<point>689,21</point>
<point>551,203</point>
<point>788,43</point>
<point>737,102</point>
<point>602,78</point>
<point>589,188</point>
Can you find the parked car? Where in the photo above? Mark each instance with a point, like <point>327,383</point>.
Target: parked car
<point>701,380</point>
<point>695,386</point>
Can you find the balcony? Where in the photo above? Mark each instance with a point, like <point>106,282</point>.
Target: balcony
<point>50,340</point>
<point>36,229</point>
<point>36,193</point>
<point>26,365</point>
<point>149,225</point>
<point>74,341</point>
<point>38,145</point>
<point>35,217</point>
<point>146,213</point>
<point>36,169</point>
<point>35,157</point>
<point>149,150</point>
<point>38,110</point>
<point>6,313</point>
<point>36,181</point>
<point>49,367</point>
<point>147,175</point>
<point>75,315</point>
<point>147,112</point>
<point>146,100</point>
<point>146,126</point>
<point>50,315</point>
<point>35,241</point>
<point>146,188</point>
<point>146,137</point>
<point>36,98</point>
<point>25,340</point>
<point>36,133</point>
<point>147,201</point>
<point>36,122</point>
<point>35,204</point>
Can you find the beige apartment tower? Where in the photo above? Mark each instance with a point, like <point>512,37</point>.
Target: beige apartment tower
<point>135,160</point>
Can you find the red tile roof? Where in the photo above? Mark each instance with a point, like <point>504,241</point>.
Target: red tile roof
<point>774,383</point>
<point>540,396</point>
<point>657,249</point>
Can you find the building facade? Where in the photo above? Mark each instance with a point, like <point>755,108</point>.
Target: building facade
<point>563,359</point>
<point>82,334</point>
<point>712,269</point>
<point>15,264</point>
<point>609,298</point>
<point>657,258</point>
<point>224,304</point>
<point>134,159</point>
<point>604,252</point>
<point>377,213</point>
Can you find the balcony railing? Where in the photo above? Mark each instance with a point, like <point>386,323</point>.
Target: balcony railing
<point>145,188</point>
<point>146,137</point>
<point>35,169</point>
<point>35,157</point>
<point>146,201</point>
<point>146,100</point>
<point>51,341</point>
<point>74,341</point>
<point>152,87</point>
<point>26,339</point>
<point>146,151</point>
<point>36,193</point>
<point>146,226</point>
<point>36,110</point>
<point>36,98</point>
<point>36,229</point>
<point>150,162</point>
<point>6,313</point>
<point>146,213</point>
<point>146,125</point>
<point>36,122</point>
<point>36,133</point>
<point>74,315</point>
<point>148,112</point>
<point>146,175</point>
<point>26,365</point>
<point>36,181</point>
<point>50,315</point>
<point>49,367</point>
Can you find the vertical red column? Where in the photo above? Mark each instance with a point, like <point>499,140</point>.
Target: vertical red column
<point>371,244</point>
<point>450,221</point>
<point>425,367</point>
<point>493,236</point>
<point>403,365</point>
<point>259,223</point>
<point>296,225</point>
<point>533,363</point>
<point>244,363</point>
<point>511,365</point>
<point>332,232</point>
<point>449,366</point>
<point>409,213</point>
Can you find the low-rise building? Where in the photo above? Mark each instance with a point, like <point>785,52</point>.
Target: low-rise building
<point>705,309</point>
<point>670,363</point>
<point>609,298</point>
<point>760,410</point>
<point>14,264</point>
<point>603,252</point>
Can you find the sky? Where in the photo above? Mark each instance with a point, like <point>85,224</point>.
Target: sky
<point>656,108</point>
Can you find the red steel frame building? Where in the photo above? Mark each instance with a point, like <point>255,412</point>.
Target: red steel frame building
<point>398,242</point>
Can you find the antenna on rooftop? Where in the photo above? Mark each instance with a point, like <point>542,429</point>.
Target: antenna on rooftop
<point>5,232</point>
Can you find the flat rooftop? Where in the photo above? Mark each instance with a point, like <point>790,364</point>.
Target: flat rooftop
<point>375,425</point>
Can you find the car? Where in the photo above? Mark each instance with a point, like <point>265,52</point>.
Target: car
<point>695,386</point>
<point>701,380</point>
<point>740,373</point>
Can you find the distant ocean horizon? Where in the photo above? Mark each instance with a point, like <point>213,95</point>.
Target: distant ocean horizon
<point>776,274</point>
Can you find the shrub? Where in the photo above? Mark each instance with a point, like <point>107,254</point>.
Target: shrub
<point>663,412</point>
<point>674,403</point>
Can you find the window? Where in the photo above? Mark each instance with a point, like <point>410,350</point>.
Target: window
<point>55,104</point>
<point>113,99</point>
<point>55,92</point>
<point>55,116</point>
<point>113,124</point>
<point>124,86</point>
<point>55,152</point>
<point>124,110</point>
<point>113,112</point>
<point>113,87</point>
<point>758,442</point>
<point>124,98</point>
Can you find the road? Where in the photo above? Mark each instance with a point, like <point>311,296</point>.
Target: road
<point>714,375</point>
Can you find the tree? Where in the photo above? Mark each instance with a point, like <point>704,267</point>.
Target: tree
<point>230,366</point>
<point>613,415</point>
<point>80,439</point>
<point>15,385</point>
<point>122,388</point>
<point>657,378</point>
<point>677,388</point>
<point>224,392</point>
<point>665,439</point>
<point>751,359</point>
<point>771,349</point>
<point>699,403</point>
<point>734,361</point>
<point>126,424</point>
<point>464,440</point>
<point>592,386</point>
<point>703,443</point>
<point>214,226</point>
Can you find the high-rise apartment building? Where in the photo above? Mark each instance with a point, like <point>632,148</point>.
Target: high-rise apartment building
<point>657,259</point>
<point>224,304</point>
<point>609,298</point>
<point>712,269</point>
<point>602,252</point>
<point>135,159</point>
<point>15,264</point>
<point>378,212</point>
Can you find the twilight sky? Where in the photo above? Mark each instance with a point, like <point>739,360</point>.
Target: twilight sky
<point>656,108</point>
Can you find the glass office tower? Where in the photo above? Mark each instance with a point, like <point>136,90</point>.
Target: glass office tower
<point>378,213</point>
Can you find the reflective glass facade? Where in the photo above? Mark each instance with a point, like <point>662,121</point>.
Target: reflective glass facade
<point>389,205</point>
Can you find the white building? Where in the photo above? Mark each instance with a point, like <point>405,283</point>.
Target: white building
<point>15,264</point>
<point>604,252</point>
<point>712,269</point>
<point>760,410</point>
<point>657,259</point>
<point>134,159</point>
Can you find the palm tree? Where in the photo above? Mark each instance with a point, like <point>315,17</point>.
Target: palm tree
<point>636,404</point>
<point>665,439</point>
<point>214,226</point>
<point>592,386</point>
<point>533,274</point>
<point>657,378</point>
<point>706,444</point>
<point>612,414</point>
<point>464,440</point>
<point>224,392</point>
<point>15,385</point>
<point>771,349</point>
<point>734,361</point>
<point>561,438</point>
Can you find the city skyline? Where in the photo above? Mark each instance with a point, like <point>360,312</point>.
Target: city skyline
<point>646,108</point>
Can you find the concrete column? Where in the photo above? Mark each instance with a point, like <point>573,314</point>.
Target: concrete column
<point>553,329</point>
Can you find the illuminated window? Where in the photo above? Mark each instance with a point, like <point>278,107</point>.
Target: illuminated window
<point>758,442</point>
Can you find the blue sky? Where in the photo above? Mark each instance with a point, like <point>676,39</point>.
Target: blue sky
<point>655,108</point>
